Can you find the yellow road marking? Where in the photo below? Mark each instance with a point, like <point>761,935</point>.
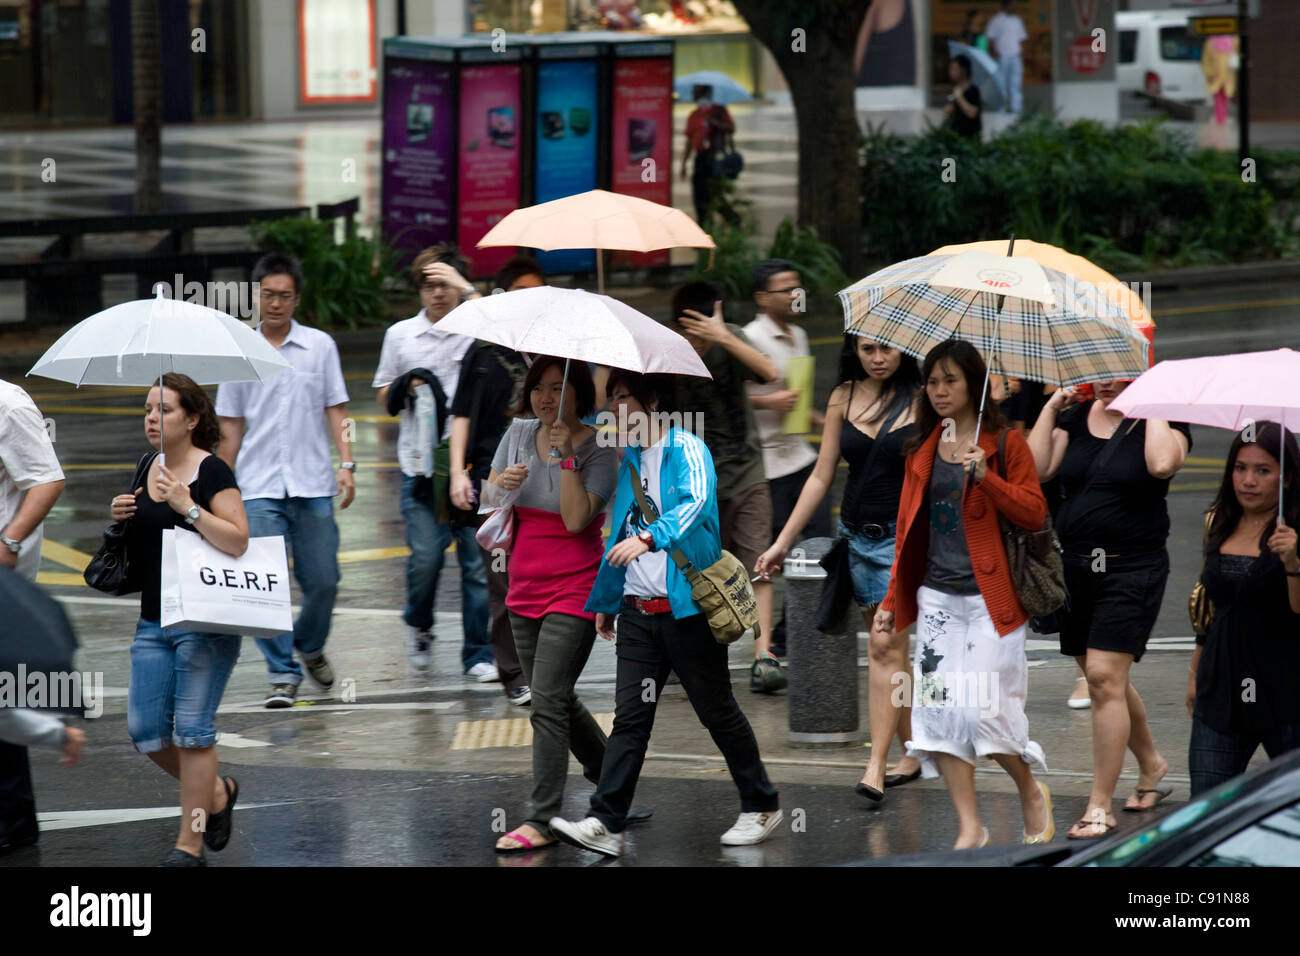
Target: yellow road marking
<point>136,412</point>
<point>507,732</point>
<point>375,554</point>
<point>62,554</point>
<point>60,577</point>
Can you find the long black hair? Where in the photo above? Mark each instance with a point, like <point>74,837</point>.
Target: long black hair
<point>1227,509</point>
<point>967,359</point>
<point>897,391</point>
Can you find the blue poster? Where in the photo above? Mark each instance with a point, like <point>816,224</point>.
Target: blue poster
<point>566,145</point>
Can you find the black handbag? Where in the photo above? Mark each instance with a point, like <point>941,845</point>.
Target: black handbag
<point>109,570</point>
<point>837,590</point>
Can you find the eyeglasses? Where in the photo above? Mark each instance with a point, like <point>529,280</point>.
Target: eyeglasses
<point>434,286</point>
<point>790,291</point>
<point>285,297</point>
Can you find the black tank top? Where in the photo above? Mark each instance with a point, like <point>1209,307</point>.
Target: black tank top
<point>873,497</point>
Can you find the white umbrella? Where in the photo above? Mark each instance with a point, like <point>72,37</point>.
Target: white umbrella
<point>575,324</point>
<point>137,342</point>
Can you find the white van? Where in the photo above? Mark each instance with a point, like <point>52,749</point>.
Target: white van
<point>1160,56</point>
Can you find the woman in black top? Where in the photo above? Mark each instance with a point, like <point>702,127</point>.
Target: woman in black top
<point>877,383</point>
<point>964,107</point>
<point>1113,523</point>
<point>1243,688</point>
<point>177,676</point>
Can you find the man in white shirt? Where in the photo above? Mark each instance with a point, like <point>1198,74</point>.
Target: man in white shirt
<point>30,483</point>
<point>417,343</point>
<point>788,459</point>
<point>273,436</point>
<point>1006,32</point>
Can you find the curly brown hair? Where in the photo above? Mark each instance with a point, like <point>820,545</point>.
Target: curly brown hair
<point>195,401</point>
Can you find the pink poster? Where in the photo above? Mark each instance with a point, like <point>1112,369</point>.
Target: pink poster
<point>488,154</point>
<point>641,133</point>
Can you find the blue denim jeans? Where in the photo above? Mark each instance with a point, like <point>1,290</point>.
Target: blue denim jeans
<point>428,541</point>
<point>312,538</point>
<point>177,679</point>
<point>870,561</point>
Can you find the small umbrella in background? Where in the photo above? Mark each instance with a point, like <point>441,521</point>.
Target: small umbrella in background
<point>598,220</point>
<point>725,89</point>
<point>984,74</point>
<point>34,632</point>
<point>1221,391</point>
<point>136,342</point>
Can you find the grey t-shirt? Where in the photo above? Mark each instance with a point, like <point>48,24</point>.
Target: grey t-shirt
<point>948,566</point>
<point>597,466</point>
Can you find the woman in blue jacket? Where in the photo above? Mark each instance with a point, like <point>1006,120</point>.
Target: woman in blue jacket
<point>660,627</point>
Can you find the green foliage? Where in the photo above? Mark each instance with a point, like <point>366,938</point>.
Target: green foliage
<point>343,283</point>
<point>1136,196</point>
<point>737,252</point>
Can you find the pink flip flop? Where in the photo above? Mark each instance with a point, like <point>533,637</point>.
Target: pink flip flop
<point>527,843</point>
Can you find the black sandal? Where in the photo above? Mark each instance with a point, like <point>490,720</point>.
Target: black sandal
<point>217,833</point>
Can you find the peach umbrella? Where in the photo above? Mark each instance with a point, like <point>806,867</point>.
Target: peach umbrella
<point>1057,258</point>
<point>598,220</point>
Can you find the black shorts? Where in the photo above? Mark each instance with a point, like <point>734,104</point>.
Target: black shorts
<point>1114,609</point>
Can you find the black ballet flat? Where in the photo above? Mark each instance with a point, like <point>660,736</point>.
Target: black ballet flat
<point>898,779</point>
<point>871,793</point>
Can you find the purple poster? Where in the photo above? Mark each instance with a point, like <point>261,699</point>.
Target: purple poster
<point>418,153</point>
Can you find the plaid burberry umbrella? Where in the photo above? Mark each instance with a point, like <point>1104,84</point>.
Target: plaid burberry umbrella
<point>1029,321</point>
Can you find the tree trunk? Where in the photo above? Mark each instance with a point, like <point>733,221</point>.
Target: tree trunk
<point>146,47</point>
<point>818,66</point>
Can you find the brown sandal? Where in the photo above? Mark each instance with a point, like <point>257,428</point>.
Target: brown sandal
<point>1161,790</point>
<point>1095,829</point>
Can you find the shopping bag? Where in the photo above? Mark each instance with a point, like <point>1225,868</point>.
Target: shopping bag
<point>205,589</point>
<point>497,533</point>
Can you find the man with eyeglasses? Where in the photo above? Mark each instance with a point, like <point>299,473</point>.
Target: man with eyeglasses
<point>413,348</point>
<point>276,435</point>
<point>788,459</point>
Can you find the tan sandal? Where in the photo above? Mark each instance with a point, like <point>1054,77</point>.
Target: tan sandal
<point>1161,790</point>
<point>1095,829</point>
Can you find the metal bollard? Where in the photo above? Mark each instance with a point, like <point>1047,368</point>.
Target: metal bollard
<point>823,668</point>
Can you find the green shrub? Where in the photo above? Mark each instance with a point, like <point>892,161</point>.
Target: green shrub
<point>343,283</point>
<point>1129,197</point>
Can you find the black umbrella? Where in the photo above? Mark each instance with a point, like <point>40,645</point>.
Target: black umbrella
<point>37,645</point>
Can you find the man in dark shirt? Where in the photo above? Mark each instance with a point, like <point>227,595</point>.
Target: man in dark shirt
<point>963,107</point>
<point>491,383</point>
<point>723,416</point>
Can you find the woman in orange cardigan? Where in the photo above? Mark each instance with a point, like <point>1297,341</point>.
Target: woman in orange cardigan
<point>951,575</point>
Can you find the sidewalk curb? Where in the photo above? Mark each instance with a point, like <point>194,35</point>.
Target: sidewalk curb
<point>1277,270</point>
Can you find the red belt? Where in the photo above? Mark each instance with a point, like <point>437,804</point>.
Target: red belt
<point>659,605</point>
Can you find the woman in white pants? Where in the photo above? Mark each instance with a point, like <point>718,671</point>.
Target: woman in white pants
<point>952,577</point>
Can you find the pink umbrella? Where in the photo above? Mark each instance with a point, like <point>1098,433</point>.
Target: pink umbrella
<point>1222,391</point>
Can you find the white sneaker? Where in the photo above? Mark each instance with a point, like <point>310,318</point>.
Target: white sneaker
<point>590,834</point>
<point>483,673</point>
<point>751,828</point>
<point>418,643</point>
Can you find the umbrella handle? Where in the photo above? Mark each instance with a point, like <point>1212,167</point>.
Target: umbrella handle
<point>554,452</point>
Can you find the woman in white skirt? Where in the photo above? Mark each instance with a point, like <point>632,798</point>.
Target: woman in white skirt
<point>951,577</point>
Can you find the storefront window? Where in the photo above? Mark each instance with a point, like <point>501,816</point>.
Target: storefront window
<point>666,17</point>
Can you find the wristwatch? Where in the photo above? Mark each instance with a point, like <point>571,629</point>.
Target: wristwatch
<point>570,464</point>
<point>646,538</point>
<point>13,546</point>
<point>192,515</point>
<point>348,466</point>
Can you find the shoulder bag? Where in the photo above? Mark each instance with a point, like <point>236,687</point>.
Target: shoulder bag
<point>1037,571</point>
<point>1199,607</point>
<point>722,590</point>
<point>108,570</point>
<point>837,590</point>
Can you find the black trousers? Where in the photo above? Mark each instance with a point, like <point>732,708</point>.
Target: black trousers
<point>649,645</point>
<point>785,495</point>
<point>17,800</point>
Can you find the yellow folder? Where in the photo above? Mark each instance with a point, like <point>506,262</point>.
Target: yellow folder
<point>799,375</point>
